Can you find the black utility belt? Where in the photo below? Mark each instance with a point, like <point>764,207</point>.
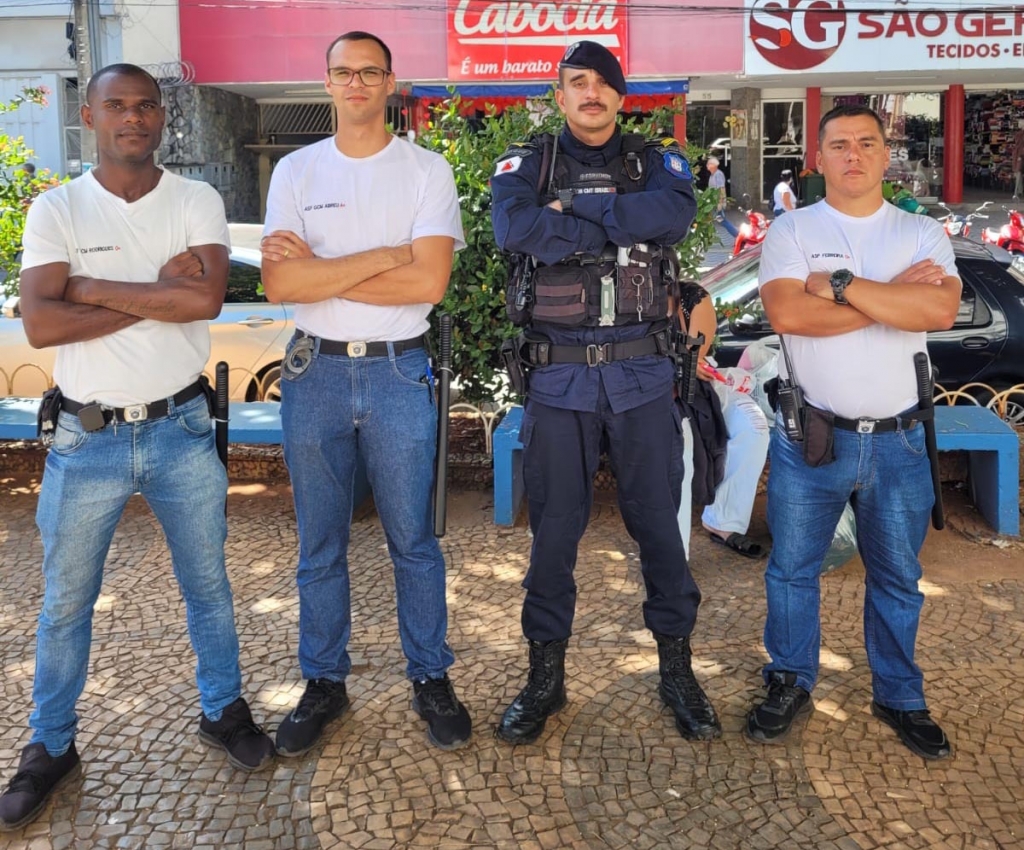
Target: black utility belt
<point>92,414</point>
<point>364,349</point>
<point>540,353</point>
<point>904,421</point>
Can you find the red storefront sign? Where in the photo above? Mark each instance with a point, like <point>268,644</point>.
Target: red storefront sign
<point>510,40</point>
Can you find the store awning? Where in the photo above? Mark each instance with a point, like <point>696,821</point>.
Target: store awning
<point>516,90</point>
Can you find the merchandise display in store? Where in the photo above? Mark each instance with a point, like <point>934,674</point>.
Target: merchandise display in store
<point>990,122</point>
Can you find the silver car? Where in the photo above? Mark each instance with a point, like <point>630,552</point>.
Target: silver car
<point>249,334</point>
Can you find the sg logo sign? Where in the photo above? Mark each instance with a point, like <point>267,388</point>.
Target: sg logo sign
<point>797,34</point>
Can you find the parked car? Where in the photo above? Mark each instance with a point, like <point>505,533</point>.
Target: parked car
<point>249,334</point>
<point>985,344</point>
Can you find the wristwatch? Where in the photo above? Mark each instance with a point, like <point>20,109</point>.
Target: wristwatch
<point>840,279</point>
<point>565,199</point>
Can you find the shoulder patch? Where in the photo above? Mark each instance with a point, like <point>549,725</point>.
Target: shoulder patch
<point>508,165</point>
<point>518,149</point>
<point>677,165</point>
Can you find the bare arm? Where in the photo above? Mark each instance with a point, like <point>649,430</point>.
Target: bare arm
<point>791,309</point>
<point>291,272</point>
<point>50,320</point>
<point>190,288</point>
<point>922,298</point>
<point>423,281</point>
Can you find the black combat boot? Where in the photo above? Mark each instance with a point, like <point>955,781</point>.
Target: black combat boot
<point>695,716</point>
<point>543,695</point>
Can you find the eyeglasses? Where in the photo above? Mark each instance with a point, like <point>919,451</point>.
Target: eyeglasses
<point>367,76</point>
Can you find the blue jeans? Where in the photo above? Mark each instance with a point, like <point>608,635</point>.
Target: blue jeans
<point>89,478</point>
<point>723,220</point>
<point>383,409</point>
<point>887,479</point>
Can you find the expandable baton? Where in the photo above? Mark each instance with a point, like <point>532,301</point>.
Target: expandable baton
<point>444,376</point>
<point>926,402</point>
<point>220,411</point>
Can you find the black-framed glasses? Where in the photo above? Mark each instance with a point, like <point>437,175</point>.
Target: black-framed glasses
<point>367,76</point>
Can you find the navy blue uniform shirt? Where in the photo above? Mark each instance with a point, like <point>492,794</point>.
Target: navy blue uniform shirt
<point>662,213</point>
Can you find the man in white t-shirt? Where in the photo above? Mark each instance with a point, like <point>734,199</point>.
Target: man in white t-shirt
<point>361,231</point>
<point>716,181</point>
<point>122,269</point>
<point>853,284</point>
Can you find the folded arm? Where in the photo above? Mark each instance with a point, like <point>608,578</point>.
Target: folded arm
<point>791,309</point>
<point>423,281</point>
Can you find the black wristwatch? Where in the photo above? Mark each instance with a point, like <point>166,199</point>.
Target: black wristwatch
<point>840,279</point>
<point>565,199</point>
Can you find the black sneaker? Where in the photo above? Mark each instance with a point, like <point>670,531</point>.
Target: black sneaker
<point>448,724</point>
<point>39,775</point>
<point>323,701</point>
<point>916,729</point>
<point>247,745</point>
<point>770,722</point>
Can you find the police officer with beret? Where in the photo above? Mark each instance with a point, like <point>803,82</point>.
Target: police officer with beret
<point>590,218</point>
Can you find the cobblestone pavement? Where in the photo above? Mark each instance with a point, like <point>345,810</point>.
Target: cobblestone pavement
<point>610,772</point>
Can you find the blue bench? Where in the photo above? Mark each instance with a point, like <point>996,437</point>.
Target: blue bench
<point>249,422</point>
<point>992,448</point>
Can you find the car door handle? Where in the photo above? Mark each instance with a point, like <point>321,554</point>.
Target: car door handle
<point>974,342</point>
<point>255,321</point>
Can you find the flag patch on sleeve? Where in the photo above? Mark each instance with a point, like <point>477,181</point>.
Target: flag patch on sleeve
<point>508,166</point>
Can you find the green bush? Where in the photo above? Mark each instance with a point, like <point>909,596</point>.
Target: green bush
<point>17,190</point>
<point>476,295</point>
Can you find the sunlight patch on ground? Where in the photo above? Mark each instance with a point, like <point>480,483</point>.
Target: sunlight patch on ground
<point>928,589</point>
<point>613,555</point>
<point>832,661</point>
<point>832,709</point>
<point>246,489</point>
<point>282,696</point>
<point>105,602</point>
<point>269,605</point>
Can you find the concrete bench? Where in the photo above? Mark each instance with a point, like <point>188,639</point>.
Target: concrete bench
<point>992,447</point>
<point>249,422</point>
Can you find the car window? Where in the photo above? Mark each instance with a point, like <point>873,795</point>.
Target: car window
<point>737,285</point>
<point>973,312</point>
<point>244,284</point>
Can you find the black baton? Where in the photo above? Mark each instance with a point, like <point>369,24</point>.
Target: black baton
<point>926,401</point>
<point>444,377</point>
<point>220,411</point>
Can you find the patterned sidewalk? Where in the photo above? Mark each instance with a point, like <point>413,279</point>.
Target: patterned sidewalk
<point>610,772</point>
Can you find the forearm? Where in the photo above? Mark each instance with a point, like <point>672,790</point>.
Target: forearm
<point>306,281</point>
<point>661,216</point>
<point>904,306</point>
<point>808,315</point>
<point>177,300</point>
<point>51,323</point>
<point>413,283</point>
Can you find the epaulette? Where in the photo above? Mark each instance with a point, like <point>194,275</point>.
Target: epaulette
<point>520,149</point>
<point>666,145</point>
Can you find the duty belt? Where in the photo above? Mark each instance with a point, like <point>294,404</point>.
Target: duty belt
<point>905,421</point>
<point>543,353</point>
<point>364,349</point>
<point>138,412</point>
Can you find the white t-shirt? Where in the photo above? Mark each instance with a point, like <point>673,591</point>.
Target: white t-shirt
<point>867,373</point>
<point>342,206</point>
<point>781,190</point>
<point>103,236</point>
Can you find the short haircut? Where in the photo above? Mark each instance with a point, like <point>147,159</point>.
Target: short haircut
<point>122,69</point>
<point>849,112</point>
<point>28,168</point>
<point>713,160</point>
<point>359,35</point>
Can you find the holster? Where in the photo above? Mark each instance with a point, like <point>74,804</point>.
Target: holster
<point>46,418</point>
<point>210,393</point>
<point>511,359</point>
<point>819,437</point>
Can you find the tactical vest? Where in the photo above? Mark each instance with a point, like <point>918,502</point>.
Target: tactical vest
<point>619,286</point>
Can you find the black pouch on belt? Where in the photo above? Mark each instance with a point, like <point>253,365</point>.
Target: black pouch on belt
<point>46,418</point>
<point>210,393</point>
<point>819,437</point>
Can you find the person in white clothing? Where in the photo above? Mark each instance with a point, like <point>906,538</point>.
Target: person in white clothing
<point>123,267</point>
<point>852,284</point>
<point>360,234</point>
<point>784,198</point>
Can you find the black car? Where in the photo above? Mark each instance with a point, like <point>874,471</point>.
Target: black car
<point>985,344</point>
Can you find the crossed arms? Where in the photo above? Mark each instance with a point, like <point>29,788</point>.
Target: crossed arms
<point>58,309</point>
<point>407,274</point>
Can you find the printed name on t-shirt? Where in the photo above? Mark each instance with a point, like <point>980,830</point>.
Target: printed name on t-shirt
<point>335,205</point>
<point>830,255</point>
<point>99,248</point>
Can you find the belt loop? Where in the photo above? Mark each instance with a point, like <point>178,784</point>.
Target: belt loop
<point>391,351</point>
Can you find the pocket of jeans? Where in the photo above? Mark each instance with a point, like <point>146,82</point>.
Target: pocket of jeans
<point>913,440</point>
<point>411,368</point>
<point>195,419</point>
<point>69,436</point>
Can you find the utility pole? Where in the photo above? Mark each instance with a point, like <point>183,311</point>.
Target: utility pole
<point>83,55</point>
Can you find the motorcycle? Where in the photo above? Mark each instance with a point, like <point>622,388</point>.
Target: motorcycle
<point>1010,236</point>
<point>752,231</point>
<point>956,224</point>
<point>905,200</point>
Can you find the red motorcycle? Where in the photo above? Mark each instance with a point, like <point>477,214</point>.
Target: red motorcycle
<point>957,224</point>
<point>1010,236</point>
<point>752,231</point>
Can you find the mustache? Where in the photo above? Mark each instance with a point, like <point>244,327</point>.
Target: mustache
<point>596,103</point>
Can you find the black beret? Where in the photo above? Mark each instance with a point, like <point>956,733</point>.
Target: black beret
<point>596,57</point>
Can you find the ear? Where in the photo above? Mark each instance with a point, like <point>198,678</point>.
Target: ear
<point>817,160</point>
<point>86,113</point>
<point>560,99</point>
<point>327,82</point>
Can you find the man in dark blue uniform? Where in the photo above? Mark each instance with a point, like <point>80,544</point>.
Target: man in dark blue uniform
<point>592,217</point>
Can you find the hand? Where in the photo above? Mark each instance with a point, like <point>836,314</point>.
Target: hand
<point>818,284</point>
<point>285,245</point>
<point>185,264</point>
<point>556,205</point>
<point>702,371</point>
<point>925,271</point>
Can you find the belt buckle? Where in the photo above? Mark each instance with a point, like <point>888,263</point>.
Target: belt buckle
<point>866,426</point>
<point>136,413</point>
<point>598,354</point>
<point>355,349</point>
